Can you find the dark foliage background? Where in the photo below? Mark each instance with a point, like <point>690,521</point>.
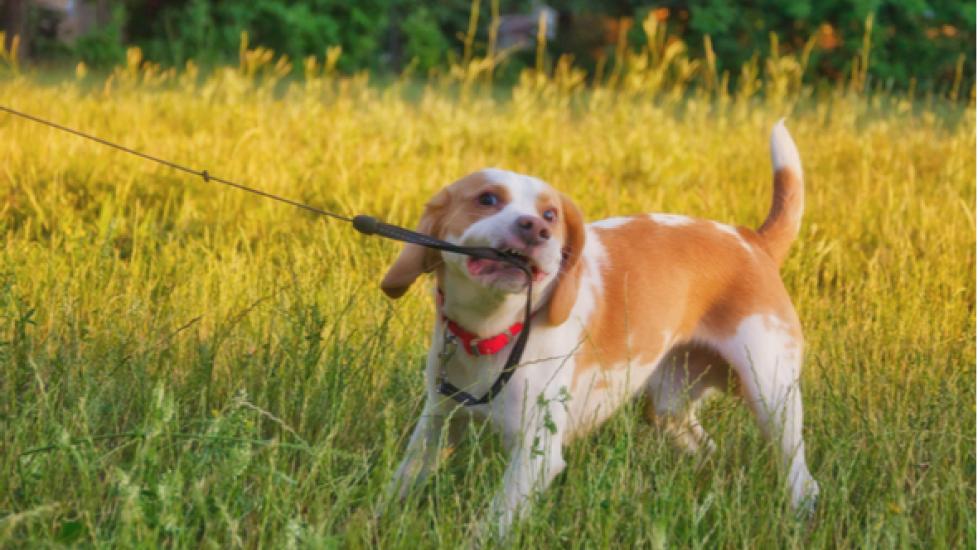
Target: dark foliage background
<point>914,42</point>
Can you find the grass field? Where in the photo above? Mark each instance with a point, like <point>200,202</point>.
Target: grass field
<point>187,365</point>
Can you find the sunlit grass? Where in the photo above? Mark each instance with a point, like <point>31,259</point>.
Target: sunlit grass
<point>188,365</point>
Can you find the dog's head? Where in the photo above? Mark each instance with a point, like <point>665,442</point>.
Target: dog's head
<point>507,211</point>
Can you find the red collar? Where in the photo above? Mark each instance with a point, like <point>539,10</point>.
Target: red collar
<point>483,346</point>
<point>476,346</point>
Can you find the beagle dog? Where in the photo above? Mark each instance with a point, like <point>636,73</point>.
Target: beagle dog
<point>660,304</point>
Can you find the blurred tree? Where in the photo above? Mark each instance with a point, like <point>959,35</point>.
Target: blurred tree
<point>425,42</point>
<point>210,31</point>
<point>920,39</point>
<point>909,37</point>
<point>14,13</point>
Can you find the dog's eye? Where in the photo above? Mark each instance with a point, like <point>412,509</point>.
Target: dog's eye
<point>488,199</point>
<point>550,215</point>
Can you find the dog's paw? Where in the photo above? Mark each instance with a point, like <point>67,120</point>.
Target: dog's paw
<point>805,500</point>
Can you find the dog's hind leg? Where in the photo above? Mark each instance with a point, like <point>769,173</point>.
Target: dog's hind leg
<point>683,378</point>
<point>766,353</point>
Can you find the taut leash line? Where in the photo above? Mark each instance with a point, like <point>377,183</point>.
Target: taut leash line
<point>203,174</point>
<point>368,225</point>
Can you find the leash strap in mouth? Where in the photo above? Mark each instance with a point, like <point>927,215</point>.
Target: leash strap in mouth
<point>368,225</point>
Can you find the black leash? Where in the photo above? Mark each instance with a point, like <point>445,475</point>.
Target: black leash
<point>368,225</point>
<point>447,388</point>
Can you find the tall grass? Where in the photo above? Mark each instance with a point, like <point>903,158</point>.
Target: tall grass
<point>186,365</point>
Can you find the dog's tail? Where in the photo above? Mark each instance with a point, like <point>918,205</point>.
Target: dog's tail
<point>783,221</point>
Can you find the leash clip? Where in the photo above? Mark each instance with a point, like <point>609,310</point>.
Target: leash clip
<point>448,348</point>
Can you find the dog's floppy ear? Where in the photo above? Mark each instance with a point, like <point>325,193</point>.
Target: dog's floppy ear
<point>569,279</point>
<point>415,260</point>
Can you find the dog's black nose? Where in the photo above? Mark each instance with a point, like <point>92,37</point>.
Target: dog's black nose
<point>532,230</point>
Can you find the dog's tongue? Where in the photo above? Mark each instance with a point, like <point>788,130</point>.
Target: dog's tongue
<point>482,266</point>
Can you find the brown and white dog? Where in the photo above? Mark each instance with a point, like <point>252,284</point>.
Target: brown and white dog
<point>661,303</point>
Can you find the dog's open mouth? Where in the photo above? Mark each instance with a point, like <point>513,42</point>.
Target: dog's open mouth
<point>493,269</point>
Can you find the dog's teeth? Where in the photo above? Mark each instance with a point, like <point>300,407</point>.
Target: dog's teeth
<point>516,253</point>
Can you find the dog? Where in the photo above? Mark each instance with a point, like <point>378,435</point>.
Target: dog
<point>663,304</point>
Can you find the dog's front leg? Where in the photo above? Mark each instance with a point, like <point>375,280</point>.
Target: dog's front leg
<point>423,449</point>
<point>536,458</point>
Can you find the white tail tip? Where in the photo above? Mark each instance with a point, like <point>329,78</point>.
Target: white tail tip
<point>784,154</point>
